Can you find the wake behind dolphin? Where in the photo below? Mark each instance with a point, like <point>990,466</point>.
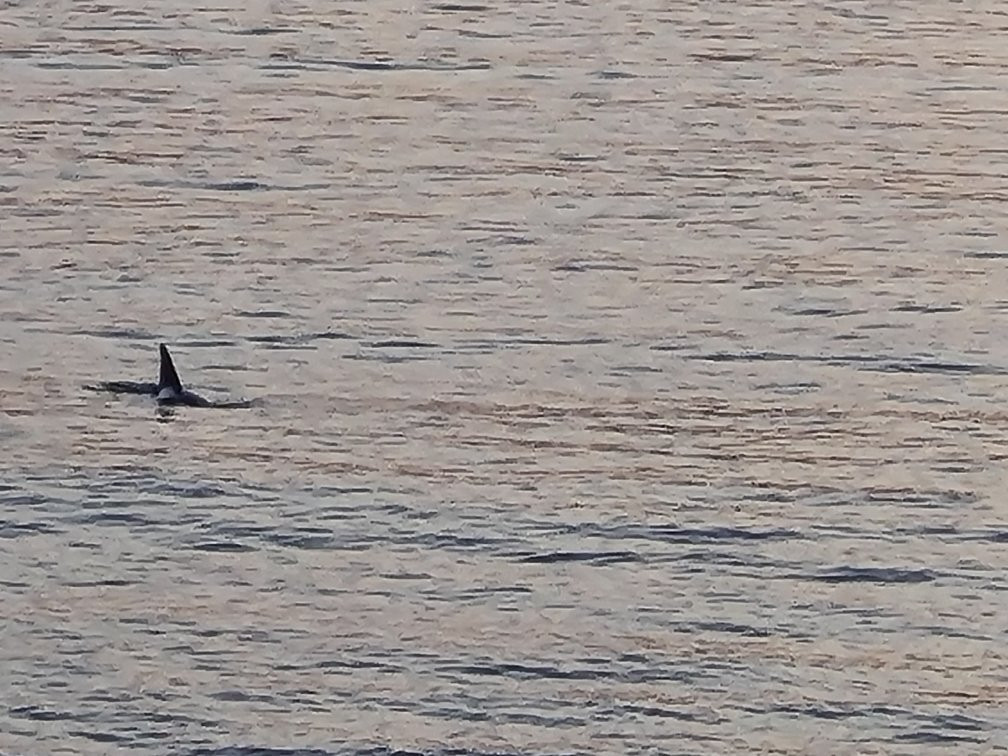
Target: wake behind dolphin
<point>168,390</point>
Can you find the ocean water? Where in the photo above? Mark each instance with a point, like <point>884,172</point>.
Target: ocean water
<point>626,378</point>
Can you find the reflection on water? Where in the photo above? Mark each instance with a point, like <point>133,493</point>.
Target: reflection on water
<point>624,378</point>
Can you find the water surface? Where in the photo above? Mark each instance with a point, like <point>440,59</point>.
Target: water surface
<point>626,379</point>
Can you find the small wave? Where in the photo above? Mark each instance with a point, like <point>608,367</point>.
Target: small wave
<point>223,546</point>
<point>18,529</point>
<point>238,185</point>
<point>460,8</point>
<point>591,557</point>
<point>874,575</point>
<point>258,751</point>
<point>877,363</point>
<point>403,344</point>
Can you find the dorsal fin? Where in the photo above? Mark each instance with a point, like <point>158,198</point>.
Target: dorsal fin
<point>168,378</point>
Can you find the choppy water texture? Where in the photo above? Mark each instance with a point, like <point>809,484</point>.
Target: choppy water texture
<point>627,378</point>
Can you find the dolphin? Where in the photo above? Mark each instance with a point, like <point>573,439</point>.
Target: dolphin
<point>169,387</point>
<point>167,391</point>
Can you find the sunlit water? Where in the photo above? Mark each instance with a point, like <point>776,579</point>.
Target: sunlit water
<point>625,378</point>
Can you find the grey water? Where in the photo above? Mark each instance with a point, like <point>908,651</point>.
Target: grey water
<point>624,378</point>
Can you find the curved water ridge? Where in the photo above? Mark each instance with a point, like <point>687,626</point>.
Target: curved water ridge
<point>622,379</point>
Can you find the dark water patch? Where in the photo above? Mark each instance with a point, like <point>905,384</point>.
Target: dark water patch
<point>262,751</point>
<point>935,737</point>
<point>928,530</point>
<point>647,673</point>
<point>237,529</point>
<point>206,343</point>
<point>481,593</point>
<point>476,34</point>
<point>113,332</point>
<point>377,65</point>
<point>612,75</point>
<point>153,65</point>
<point>456,711</point>
<point>65,65</point>
<point>919,496</point>
<point>454,541</point>
<point>526,671</point>
<point>9,529</point>
<point>956,632</point>
<point>530,718</point>
<point>689,535</point>
<point>107,583</point>
<point>882,575</point>
<point>715,57</point>
<point>507,240</point>
<point>867,362</point>
<point>588,557</point>
<point>990,536</point>
<point>825,312</point>
<point>402,344</point>
<point>189,490</point>
<point>22,499</point>
<point>227,368</point>
<point>727,628</point>
<point>261,31</point>
<point>298,340</point>
<point>834,497</point>
<point>959,722</point>
<point>99,737</point>
<point>791,389</point>
<point>237,185</point>
<point>21,53</point>
<point>938,366</point>
<point>222,546</point>
<point>329,490</point>
<point>241,696</point>
<point>86,545</point>
<point>262,313</point>
<point>308,541</point>
<point>575,266</point>
<point>925,309</point>
<point>624,370</point>
<point>546,341</point>
<point>578,158</point>
<point>136,26</point>
<point>406,576</point>
<point>354,664</point>
<point>275,341</point>
<point>460,7</point>
<point>40,714</point>
<point>956,469</point>
<point>327,335</point>
<point>114,518</point>
<point>653,711</point>
<point>829,711</point>
<point>703,559</point>
<point>123,387</point>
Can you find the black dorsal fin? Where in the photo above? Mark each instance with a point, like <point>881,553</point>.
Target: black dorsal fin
<point>168,377</point>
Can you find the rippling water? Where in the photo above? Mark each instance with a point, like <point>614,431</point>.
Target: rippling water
<point>626,378</point>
